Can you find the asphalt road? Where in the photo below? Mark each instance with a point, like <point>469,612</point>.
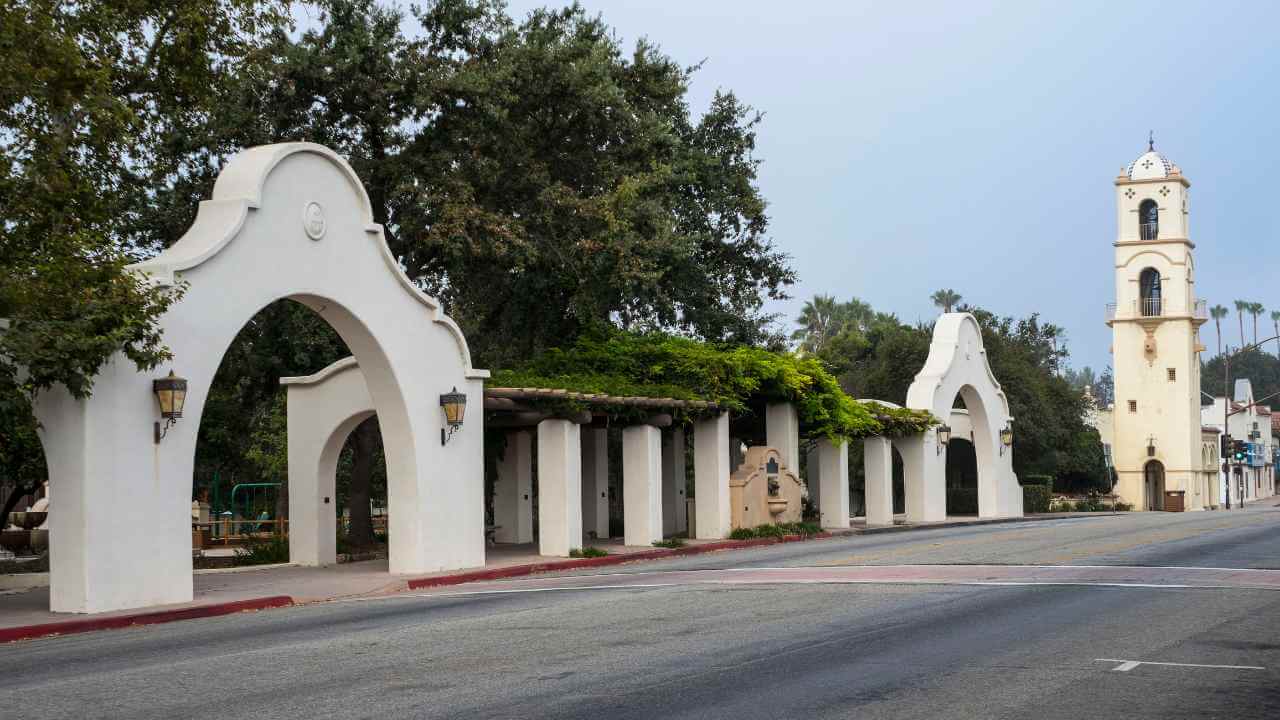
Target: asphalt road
<point>698,650</point>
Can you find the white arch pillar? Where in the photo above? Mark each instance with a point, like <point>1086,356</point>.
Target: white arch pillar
<point>957,366</point>
<point>285,221</point>
<point>322,410</point>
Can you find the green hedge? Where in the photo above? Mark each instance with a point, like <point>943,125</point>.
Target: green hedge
<point>1037,480</point>
<point>1035,498</point>
<point>962,501</point>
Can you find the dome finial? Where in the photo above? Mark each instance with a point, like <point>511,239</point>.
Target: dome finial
<point>1151,141</point>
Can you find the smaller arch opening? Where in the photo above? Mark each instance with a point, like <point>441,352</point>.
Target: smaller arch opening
<point>1149,293</point>
<point>1148,220</point>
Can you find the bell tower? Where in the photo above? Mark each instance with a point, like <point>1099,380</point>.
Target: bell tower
<point>1155,323</point>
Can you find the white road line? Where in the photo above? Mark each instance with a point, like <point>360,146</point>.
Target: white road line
<point>1127,665</point>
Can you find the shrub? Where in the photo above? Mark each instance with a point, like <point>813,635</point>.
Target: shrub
<point>263,552</point>
<point>587,552</point>
<point>1036,498</point>
<point>962,501</point>
<point>1037,480</point>
<point>674,542</point>
<point>1123,506</point>
<point>780,530</point>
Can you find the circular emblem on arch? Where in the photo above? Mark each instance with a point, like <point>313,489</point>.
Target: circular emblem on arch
<point>313,220</point>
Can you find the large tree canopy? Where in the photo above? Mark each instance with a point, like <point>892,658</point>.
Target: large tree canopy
<point>532,175</point>
<point>538,177</point>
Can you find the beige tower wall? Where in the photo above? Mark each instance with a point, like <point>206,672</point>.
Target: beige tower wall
<point>1156,350</point>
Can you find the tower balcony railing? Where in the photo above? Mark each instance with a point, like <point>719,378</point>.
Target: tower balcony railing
<point>1156,307</point>
<point>1149,231</point>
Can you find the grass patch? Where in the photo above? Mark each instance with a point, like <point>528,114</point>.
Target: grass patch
<point>674,542</point>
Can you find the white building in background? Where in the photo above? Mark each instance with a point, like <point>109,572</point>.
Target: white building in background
<point>1255,477</point>
<point>1155,436</point>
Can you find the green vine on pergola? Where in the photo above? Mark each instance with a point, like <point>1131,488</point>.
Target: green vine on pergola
<point>735,378</point>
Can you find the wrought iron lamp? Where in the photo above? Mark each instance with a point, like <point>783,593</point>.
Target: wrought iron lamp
<point>944,437</point>
<point>455,408</point>
<point>171,393</point>
<point>1006,438</point>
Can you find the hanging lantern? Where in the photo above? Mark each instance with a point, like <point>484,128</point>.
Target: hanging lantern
<point>944,437</point>
<point>454,405</point>
<point>171,394</point>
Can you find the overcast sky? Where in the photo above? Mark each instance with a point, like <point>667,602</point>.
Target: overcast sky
<point>913,146</point>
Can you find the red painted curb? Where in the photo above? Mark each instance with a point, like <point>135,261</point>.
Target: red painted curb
<point>71,627</point>
<point>576,563</point>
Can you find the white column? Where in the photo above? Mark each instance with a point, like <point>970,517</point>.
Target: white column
<point>711,477</point>
<point>120,536</point>
<point>595,481</point>
<point>877,464</point>
<point>674,508</point>
<point>924,478</point>
<point>513,492</point>
<point>559,487</point>
<point>782,432</point>
<point>813,477</point>
<point>833,461</point>
<point>641,485</point>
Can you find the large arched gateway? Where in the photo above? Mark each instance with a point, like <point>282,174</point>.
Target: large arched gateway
<point>285,221</point>
<point>957,367</point>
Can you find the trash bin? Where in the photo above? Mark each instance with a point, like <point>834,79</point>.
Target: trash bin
<point>1174,500</point>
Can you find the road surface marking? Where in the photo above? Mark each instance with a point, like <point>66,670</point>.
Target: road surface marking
<point>1127,665</point>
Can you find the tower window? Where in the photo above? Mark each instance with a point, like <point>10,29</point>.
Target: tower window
<point>1149,292</point>
<point>1148,220</point>
<point>1133,406</point>
<point>1173,374</point>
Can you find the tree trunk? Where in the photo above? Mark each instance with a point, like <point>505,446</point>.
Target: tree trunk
<point>364,442</point>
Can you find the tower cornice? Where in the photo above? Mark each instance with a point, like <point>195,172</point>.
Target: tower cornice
<point>1152,243</point>
<point>1124,180</point>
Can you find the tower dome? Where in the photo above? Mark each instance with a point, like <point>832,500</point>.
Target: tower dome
<point>1151,165</point>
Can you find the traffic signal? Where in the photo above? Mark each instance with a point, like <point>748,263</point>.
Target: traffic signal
<point>1239,450</point>
<point>1225,450</point>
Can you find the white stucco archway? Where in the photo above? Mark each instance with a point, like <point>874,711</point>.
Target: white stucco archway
<point>323,410</point>
<point>285,221</point>
<point>957,366</point>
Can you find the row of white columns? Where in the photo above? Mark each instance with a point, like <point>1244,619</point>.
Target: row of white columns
<point>829,481</point>
<point>573,484</point>
<point>925,501</point>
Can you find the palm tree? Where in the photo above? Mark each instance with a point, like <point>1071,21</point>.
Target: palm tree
<point>1256,309</point>
<point>818,319</point>
<point>946,299</point>
<point>1275,321</point>
<point>1241,307</point>
<point>1217,312</point>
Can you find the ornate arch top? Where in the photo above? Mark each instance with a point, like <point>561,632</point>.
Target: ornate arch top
<point>239,189</point>
<point>319,376</point>
<point>956,359</point>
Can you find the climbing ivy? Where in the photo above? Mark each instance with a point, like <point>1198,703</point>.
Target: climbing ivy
<point>737,378</point>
